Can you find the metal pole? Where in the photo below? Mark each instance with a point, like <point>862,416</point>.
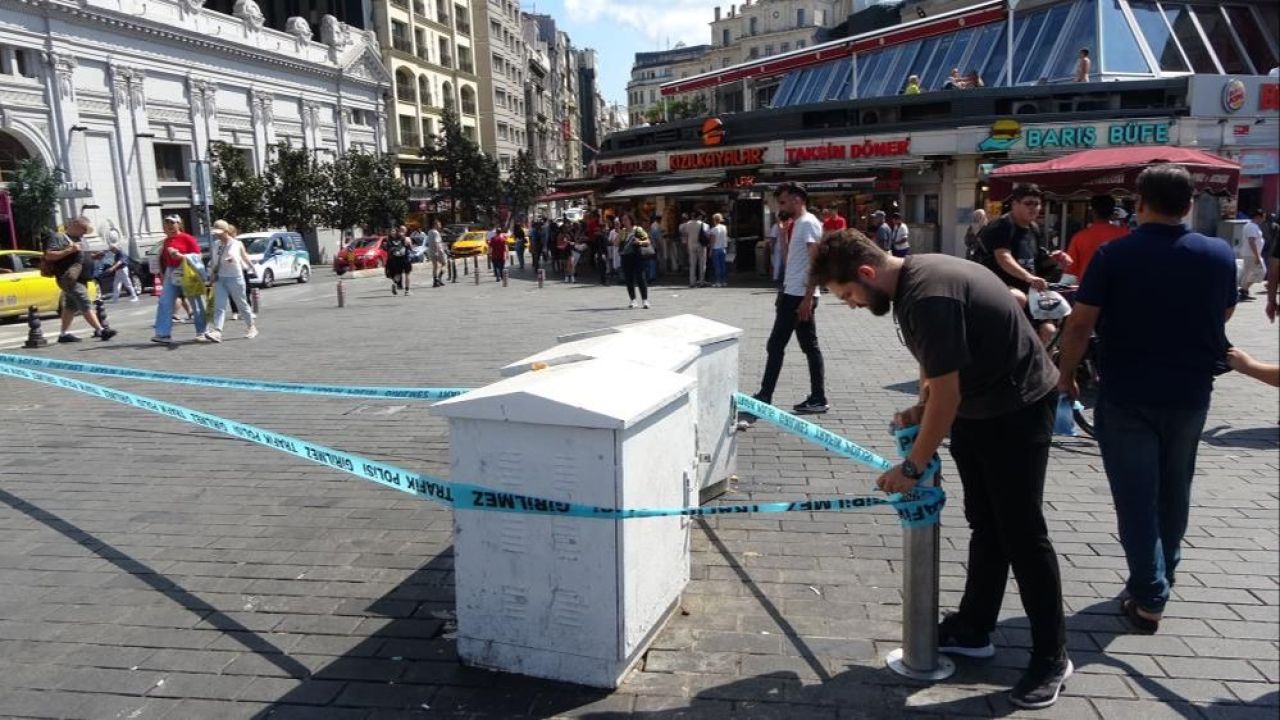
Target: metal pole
<point>853,76</point>
<point>918,658</point>
<point>1008,54</point>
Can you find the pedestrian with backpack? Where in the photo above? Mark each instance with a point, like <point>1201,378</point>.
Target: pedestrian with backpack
<point>693,232</point>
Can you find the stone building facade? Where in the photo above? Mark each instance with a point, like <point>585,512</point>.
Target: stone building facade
<point>125,97</point>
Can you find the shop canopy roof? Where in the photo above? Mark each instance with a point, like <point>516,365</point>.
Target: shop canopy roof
<point>647,190</point>
<point>566,195</point>
<point>1128,39</point>
<point>1115,170</point>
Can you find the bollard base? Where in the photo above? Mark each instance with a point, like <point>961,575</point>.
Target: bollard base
<point>945,669</point>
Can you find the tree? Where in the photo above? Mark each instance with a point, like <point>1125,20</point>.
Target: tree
<point>388,195</point>
<point>677,109</point>
<point>298,188</point>
<point>33,193</point>
<point>471,177</point>
<point>366,191</point>
<point>239,194</point>
<point>526,183</point>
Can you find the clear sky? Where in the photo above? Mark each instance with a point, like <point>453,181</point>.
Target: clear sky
<point>618,29</point>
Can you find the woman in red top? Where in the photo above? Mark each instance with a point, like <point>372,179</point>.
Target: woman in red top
<point>177,244</point>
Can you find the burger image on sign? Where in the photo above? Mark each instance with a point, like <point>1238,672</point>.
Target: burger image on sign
<point>712,132</point>
<point>1233,95</point>
<point>1004,133</point>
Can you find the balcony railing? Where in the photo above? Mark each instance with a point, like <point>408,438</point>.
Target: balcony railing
<point>424,54</point>
<point>446,61</point>
<point>410,142</point>
<point>405,94</point>
<point>419,8</point>
<point>467,66</point>
<point>402,44</point>
<point>402,4</point>
<point>468,108</point>
<point>464,28</point>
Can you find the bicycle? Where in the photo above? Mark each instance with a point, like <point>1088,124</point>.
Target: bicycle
<point>1087,378</point>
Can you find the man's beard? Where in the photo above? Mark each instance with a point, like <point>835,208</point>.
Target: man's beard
<point>878,301</point>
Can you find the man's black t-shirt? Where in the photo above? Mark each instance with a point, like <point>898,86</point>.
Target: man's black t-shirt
<point>956,316</point>
<point>1022,242</point>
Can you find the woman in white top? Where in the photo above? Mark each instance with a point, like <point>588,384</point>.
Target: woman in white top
<point>719,248</point>
<point>229,264</point>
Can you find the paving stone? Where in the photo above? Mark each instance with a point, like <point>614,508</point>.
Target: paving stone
<point>260,586</point>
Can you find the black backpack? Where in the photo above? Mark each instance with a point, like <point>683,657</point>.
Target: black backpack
<point>704,237</point>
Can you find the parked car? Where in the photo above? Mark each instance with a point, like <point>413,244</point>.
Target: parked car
<point>367,252</point>
<point>451,233</point>
<point>476,242</point>
<point>22,285</point>
<point>277,255</point>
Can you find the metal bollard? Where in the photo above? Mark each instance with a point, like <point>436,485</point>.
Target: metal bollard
<point>255,302</point>
<point>918,658</point>
<point>506,275</point>
<point>453,270</point>
<point>342,294</point>
<point>476,275</point>
<point>35,335</point>
<point>542,276</point>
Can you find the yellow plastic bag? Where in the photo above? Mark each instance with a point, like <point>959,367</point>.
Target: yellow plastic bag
<point>192,280</point>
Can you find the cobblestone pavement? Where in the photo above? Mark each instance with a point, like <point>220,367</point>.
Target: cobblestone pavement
<point>151,569</point>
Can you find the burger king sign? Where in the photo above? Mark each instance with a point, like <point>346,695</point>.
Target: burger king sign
<point>1233,95</point>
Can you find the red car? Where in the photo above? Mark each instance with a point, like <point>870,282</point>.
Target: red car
<point>367,252</point>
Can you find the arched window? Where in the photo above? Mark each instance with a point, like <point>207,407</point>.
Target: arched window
<point>424,90</point>
<point>12,152</point>
<point>468,100</point>
<point>404,86</point>
<point>446,91</point>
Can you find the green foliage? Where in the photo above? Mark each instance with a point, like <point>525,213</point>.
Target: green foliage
<point>298,188</point>
<point>470,177</point>
<point>239,194</point>
<point>33,193</point>
<point>677,109</point>
<point>388,196</point>
<point>526,182</point>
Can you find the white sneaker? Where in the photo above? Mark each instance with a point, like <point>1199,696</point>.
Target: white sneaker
<point>133,299</point>
<point>646,304</point>
<point>214,336</point>
<point>632,305</point>
<point>252,333</point>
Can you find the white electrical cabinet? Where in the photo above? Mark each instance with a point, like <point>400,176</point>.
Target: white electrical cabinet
<point>565,598</point>
<point>716,370</point>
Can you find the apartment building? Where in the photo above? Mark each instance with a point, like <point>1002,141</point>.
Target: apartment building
<point>541,132</point>
<point>500,55</point>
<point>428,48</point>
<point>651,69</point>
<point>759,29</point>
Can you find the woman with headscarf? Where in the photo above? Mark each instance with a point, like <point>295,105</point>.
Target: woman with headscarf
<point>228,265</point>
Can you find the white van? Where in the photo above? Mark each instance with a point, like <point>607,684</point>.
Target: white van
<point>277,255</point>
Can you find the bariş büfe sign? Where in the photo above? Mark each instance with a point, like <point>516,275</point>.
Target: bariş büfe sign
<point>738,157</point>
<point>851,151</point>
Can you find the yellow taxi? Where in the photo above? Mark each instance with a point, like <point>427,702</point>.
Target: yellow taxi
<point>476,242</point>
<point>22,285</point>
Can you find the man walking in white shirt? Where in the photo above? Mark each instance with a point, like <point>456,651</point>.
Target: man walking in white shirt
<point>795,306</point>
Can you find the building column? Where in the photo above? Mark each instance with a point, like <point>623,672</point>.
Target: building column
<point>262,108</point>
<point>956,204</point>
<point>135,152</point>
<point>310,125</point>
<point>67,134</point>
<point>204,116</point>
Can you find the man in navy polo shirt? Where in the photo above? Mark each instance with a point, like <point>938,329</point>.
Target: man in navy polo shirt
<point>1159,298</point>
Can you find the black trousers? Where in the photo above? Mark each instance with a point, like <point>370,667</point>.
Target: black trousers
<point>1002,463</point>
<point>785,323</point>
<point>633,271</point>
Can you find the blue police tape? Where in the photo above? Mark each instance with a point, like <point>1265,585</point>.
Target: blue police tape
<point>390,393</point>
<point>829,440</point>
<point>920,507</point>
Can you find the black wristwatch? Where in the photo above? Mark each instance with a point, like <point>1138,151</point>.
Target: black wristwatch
<point>910,470</point>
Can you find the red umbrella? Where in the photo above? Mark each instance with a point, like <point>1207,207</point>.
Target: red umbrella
<point>1115,170</point>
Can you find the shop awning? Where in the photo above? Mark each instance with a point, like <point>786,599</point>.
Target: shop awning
<point>1108,170</point>
<point>566,195</point>
<point>647,190</point>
